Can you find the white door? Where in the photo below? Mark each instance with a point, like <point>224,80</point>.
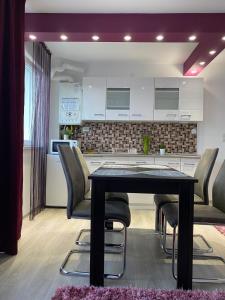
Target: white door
<point>142,99</point>
<point>94,98</point>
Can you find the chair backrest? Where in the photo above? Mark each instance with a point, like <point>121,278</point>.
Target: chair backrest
<point>218,192</point>
<point>203,173</point>
<point>84,167</point>
<point>74,178</point>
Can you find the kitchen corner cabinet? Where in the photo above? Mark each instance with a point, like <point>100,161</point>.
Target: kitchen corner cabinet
<point>141,99</point>
<point>191,99</point>
<point>94,96</point>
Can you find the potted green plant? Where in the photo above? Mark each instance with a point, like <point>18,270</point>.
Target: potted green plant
<point>67,132</point>
<point>162,149</point>
<point>146,144</point>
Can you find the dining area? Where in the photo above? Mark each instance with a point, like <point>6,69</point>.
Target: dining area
<point>181,201</point>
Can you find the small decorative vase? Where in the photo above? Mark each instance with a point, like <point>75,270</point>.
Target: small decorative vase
<point>162,151</point>
<point>66,137</point>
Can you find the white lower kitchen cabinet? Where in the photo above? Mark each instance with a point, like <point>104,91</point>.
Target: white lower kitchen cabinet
<point>188,165</point>
<point>56,189</point>
<point>170,162</point>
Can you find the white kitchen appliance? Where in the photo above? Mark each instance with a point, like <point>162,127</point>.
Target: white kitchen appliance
<point>54,144</point>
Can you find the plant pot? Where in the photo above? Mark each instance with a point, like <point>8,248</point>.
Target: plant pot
<point>162,151</point>
<point>66,137</point>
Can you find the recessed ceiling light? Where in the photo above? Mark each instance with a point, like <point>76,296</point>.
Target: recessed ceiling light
<point>192,38</point>
<point>32,37</point>
<point>160,37</point>
<point>193,71</point>
<point>127,38</point>
<point>223,38</point>
<point>202,63</point>
<point>95,37</point>
<point>212,52</point>
<point>63,37</point>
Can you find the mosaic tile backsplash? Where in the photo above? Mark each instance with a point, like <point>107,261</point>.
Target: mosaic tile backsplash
<point>103,137</point>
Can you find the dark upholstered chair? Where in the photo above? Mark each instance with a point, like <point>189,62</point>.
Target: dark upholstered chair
<point>203,215</point>
<point>202,173</point>
<point>79,208</point>
<point>87,184</point>
<point>81,162</point>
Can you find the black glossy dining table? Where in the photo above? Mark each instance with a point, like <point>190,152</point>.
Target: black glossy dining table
<point>148,179</point>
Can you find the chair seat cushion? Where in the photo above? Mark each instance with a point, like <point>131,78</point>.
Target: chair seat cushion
<point>114,210</point>
<point>162,199</point>
<point>111,196</point>
<point>202,214</point>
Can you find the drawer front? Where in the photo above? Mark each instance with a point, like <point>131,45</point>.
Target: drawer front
<point>188,165</point>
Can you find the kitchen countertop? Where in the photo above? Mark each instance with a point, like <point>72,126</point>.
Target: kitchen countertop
<point>123,154</point>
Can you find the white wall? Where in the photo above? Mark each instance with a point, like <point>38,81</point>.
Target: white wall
<point>211,132</point>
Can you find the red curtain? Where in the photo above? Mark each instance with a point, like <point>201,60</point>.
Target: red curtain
<point>12,14</point>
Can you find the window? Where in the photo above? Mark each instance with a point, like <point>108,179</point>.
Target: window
<point>27,104</point>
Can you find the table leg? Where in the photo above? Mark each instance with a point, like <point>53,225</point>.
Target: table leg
<point>97,234</point>
<point>185,236</point>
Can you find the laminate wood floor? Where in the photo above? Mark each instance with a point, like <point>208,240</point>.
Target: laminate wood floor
<point>34,272</point>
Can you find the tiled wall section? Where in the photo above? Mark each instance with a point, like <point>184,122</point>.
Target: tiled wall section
<point>177,137</point>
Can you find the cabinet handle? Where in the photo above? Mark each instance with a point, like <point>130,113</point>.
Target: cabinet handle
<point>137,115</point>
<point>189,164</point>
<point>110,162</point>
<point>122,115</point>
<point>171,115</point>
<point>95,162</point>
<point>141,162</point>
<point>99,115</point>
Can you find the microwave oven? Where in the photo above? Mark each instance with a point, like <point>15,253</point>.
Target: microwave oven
<point>54,145</point>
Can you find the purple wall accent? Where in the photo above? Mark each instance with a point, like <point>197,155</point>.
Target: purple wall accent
<point>209,28</point>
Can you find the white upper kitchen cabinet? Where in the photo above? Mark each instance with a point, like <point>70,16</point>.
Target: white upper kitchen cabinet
<point>191,99</point>
<point>141,99</point>
<point>94,98</point>
<point>118,99</point>
<point>166,106</point>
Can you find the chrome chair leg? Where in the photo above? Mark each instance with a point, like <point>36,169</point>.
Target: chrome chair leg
<point>63,270</point>
<point>113,245</point>
<point>168,251</point>
<point>196,256</point>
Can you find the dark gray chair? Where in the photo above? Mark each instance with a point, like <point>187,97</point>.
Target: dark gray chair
<point>81,162</point>
<point>203,215</point>
<point>79,208</point>
<point>202,173</point>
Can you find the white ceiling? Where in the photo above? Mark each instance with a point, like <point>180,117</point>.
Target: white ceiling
<point>153,53</point>
<point>125,6</point>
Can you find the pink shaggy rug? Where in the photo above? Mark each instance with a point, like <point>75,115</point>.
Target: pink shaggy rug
<point>93,293</point>
<point>221,229</point>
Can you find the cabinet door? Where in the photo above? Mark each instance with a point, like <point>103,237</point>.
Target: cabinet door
<point>142,99</point>
<point>166,115</point>
<point>94,98</point>
<point>116,115</point>
<point>191,99</point>
<point>56,188</point>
